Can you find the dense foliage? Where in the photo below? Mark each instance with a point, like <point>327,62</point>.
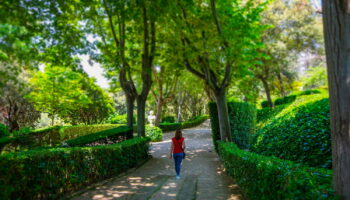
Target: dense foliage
<point>109,136</point>
<point>298,132</point>
<point>155,133</point>
<point>262,177</point>
<point>168,119</point>
<point>242,121</point>
<point>55,171</point>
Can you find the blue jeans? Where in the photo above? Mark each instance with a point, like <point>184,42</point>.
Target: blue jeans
<point>178,159</point>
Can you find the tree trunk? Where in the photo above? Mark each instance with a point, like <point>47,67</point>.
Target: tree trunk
<point>159,111</point>
<point>141,109</point>
<point>336,18</point>
<point>279,77</point>
<point>130,110</point>
<point>224,121</point>
<point>267,91</point>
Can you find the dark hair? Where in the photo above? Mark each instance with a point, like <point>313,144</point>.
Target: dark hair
<point>178,134</point>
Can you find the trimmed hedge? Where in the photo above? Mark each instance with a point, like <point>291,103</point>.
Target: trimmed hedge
<point>262,177</point>
<point>109,136</point>
<point>168,119</point>
<point>52,136</point>
<point>242,117</point>
<point>300,132</point>
<point>155,133</point>
<point>182,125</point>
<point>49,173</point>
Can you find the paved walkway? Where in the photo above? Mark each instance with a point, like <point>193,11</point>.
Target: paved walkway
<point>202,177</point>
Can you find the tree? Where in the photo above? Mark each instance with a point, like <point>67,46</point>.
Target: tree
<point>15,110</point>
<point>336,18</point>
<point>288,36</point>
<point>213,36</point>
<point>57,91</point>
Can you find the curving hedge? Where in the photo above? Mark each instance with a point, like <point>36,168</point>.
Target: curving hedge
<point>262,177</point>
<point>300,132</point>
<point>49,173</point>
<point>182,125</point>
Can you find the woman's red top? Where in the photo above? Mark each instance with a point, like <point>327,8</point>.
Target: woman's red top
<point>178,145</point>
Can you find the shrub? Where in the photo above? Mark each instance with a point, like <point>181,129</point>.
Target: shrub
<point>49,173</point>
<point>262,177</point>
<point>181,125</point>
<point>265,104</point>
<point>169,119</point>
<point>300,132</point>
<point>242,117</point>
<point>22,131</point>
<point>155,133</point>
<point>3,130</point>
<point>265,114</point>
<point>103,137</point>
<point>285,100</point>
<point>118,119</point>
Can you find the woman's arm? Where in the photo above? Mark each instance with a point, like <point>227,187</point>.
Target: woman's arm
<point>171,150</point>
<point>183,145</point>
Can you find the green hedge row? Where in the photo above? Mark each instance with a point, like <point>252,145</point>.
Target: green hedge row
<point>109,136</point>
<point>300,132</point>
<point>52,136</point>
<point>242,121</point>
<point>49,173</point>
<point>182,125</point>
<point>262,177</point>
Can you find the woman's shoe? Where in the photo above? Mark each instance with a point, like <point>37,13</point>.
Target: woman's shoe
<point>177,177</point>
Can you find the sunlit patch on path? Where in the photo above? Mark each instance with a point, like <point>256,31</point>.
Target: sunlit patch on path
<point>202,176</point>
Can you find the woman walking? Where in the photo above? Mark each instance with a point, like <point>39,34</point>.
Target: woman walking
<point>177,151</point>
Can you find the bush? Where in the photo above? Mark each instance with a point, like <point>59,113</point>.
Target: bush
<point>3,130</point>
<point>262,177</point>
<point>155,133</point>
<point>103,137</point>
<point>242,117</point>
<point>285,100</point>
<point>22,131</point>
<point>182,125</point>
<point>120,119</point>
<point>49,173</point>
<point>168,119</point>
<point>300,132</point>
<point>265,114</point>
<point>264,104</point>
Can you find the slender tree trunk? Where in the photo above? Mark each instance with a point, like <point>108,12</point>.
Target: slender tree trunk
<point>130,110</point>
<point>336,18</point>
<point>279,77</point>
<point>224,121</point>
<point>141,116</point>
<point>159,111</point>
<point>267,91</point>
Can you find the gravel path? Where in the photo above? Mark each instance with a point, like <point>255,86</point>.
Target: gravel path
<point>202,177</point>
